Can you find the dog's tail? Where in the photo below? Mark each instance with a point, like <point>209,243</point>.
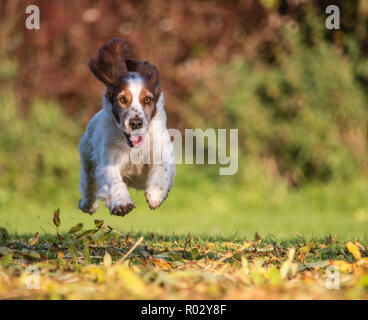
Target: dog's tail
<point>109,64</point>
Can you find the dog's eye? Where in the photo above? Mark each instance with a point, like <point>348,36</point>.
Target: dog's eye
<point>123,100</point>
<point>147,100</point>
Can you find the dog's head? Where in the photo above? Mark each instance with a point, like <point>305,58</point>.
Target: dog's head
<point>133,88</point>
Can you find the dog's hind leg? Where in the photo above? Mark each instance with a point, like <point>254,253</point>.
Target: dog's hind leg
<point>88,187</point>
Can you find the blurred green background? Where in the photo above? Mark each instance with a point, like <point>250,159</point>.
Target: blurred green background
<point>296,91</point>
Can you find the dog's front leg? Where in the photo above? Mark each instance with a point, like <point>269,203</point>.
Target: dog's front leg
<point>114,191</point>
<point>159,183</point>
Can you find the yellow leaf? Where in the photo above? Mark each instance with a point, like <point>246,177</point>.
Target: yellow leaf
<point>343,266</point>
<point>273,274</point>
<point>305,249</point>
<point>162,264</point>
<point>34,241</point>
<point>131,281</point>
<point>99,223</point>
<point>98,273</point>
<point>210,244</point>
<point>363,262</point>
<point>246,245</point>
<point>353,249</point>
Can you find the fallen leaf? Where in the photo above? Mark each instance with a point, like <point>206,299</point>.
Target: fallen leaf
<point>87,233</point>
<point>359,245</point>
<point>353,249</point>
<point>56,218</point>
<point>6,260</point>
<point>210,245</point>
<point>343,265</point>
<point>301,257</point>
<point>32,255</point>
<point>305,249</point>
<point>76,228</point>
<point>34,241</point>
<point>162,264</point>
<point>99,223</point>
<point>4,251</point>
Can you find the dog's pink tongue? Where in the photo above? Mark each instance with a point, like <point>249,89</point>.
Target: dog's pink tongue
<point>136,140</point>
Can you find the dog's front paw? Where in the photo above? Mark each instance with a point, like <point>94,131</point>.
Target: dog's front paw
<point>155,197</point>
<point>122,210</point>
<point>87,207</point>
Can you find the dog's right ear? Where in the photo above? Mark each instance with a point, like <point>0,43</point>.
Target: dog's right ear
<point>109,64</point>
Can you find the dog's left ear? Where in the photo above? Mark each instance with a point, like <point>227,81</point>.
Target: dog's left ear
<point>150,72</point>
<point>146,69</point>
<point>110,62</point>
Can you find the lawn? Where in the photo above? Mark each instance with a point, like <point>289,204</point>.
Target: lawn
<point>219,209</point>
<point>102,263</point>
<point>208,241</point>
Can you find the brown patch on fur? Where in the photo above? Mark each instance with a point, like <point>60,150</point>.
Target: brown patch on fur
<point>109,64</point>
<point>120,85</point>
<point>129,98</point>
<point>148,108</point>
<point>151,77</point>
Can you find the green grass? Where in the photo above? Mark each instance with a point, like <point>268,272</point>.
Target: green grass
<point>213,210</point>
<point>39,172</point>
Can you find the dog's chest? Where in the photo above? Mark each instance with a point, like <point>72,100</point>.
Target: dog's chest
<point>135,175</point>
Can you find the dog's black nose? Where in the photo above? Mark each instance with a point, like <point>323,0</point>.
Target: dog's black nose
<point>136,123</point>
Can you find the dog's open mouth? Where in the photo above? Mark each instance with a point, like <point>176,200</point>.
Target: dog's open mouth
<point>134,140</point>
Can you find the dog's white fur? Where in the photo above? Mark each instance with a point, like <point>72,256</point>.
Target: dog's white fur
<point>106,166</point>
